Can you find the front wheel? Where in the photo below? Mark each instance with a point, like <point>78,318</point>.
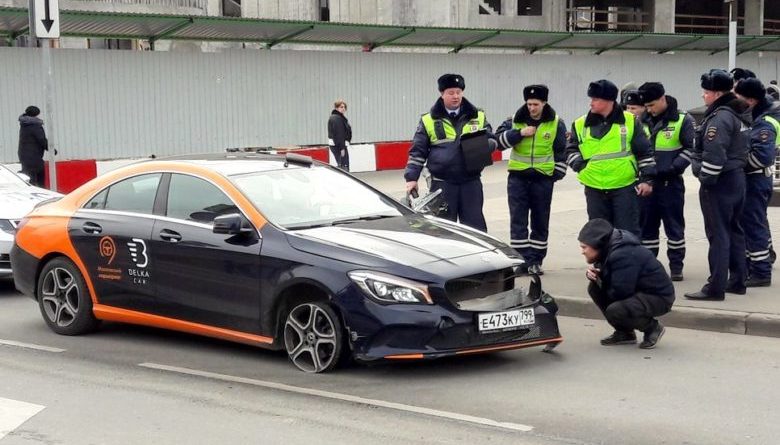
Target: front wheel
<point>64,299</point>
<point>313,337</point>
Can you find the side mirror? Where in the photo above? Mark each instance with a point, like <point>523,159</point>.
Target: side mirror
<point>232,224</point>
<point>24,177</point>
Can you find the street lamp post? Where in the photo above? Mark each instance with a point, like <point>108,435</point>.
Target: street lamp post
<point>732,33</point>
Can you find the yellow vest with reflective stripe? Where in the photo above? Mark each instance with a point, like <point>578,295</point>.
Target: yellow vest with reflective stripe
<point>536,151</point>
<point>611,164</point>
<point>775,124</point>
<point>668,139</point>
<point>450,134</point>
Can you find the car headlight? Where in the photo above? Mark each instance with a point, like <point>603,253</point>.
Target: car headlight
<point>6,226</point>
<point>391,289</point>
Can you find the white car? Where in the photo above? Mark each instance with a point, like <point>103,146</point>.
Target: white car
<point>17,198</point>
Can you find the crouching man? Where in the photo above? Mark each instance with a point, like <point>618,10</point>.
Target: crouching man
<point>627,283</point>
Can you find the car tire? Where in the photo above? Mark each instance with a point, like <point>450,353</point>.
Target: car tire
<point>313,337</point>
<point>64,300</point>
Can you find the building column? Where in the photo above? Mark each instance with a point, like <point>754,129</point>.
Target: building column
<point>663,16</point>
<point>754,17</point>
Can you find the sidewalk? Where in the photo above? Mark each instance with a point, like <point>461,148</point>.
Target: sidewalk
<point>756,313</point>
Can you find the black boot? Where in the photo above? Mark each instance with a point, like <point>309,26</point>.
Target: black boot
<point>619,338</point>
<point>652,335</point>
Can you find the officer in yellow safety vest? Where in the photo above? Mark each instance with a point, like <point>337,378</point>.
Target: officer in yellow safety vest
<point>671,132</point>
<point>537,138</point>
<point>612,157</point>
<point>437,145</point>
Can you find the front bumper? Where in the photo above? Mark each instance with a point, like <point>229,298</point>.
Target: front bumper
<point>417,331</point>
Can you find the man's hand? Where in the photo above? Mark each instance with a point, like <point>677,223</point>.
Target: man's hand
<point>411,185</point>
<point>528,131</point>
<point>644,189</point>
<point>592,273</point>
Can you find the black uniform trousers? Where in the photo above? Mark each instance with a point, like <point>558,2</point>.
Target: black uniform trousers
<point>637,312</point>
<point>618,206</point>
<point>464,202</point>
<point>665,204</point>
<point>529,195</point>
<point>722,205</point>
<point>341,161</point>
<point>37,175</point>
<point>758,192</point>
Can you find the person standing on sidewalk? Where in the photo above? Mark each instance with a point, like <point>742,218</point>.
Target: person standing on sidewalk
<point>339,134</point>
<point>606,148</point>
<point>671,133</point>
<point>764,140</point>
<point>718,160</point>
<point>537,138</point>
<point>627,283</point>
<point>437,144</point>
<point>32,144</point>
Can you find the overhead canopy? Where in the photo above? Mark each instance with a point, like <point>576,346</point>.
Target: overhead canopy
<point>153,27</point>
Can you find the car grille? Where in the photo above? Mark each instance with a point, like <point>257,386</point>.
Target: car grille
<point>480,285</point>
<point>469,337</point>
<point>5,261</point>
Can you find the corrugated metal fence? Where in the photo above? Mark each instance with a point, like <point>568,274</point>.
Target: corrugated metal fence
<point>117,104</point>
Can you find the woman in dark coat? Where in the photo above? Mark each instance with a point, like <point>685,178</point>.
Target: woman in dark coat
<point>339,134</point>
<point>32,144</point>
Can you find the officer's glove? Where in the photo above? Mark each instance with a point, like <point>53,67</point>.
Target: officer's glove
<point>558,175</point>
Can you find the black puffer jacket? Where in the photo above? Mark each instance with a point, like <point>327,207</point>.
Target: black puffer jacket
<point>628,269</point>
<point>339,130</point>
<point>32,143</point>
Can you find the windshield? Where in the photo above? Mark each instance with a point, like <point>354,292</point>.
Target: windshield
<point>296,197</point>
<point>7,177</point>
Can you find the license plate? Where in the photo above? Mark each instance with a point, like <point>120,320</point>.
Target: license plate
<point>493,321</point>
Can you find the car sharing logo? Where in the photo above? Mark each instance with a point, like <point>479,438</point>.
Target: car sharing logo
<point>138,252</point>
<point>107,248</point>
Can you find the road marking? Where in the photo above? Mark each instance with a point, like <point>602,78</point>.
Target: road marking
<point>14,413</point>
<point>342,397</point>
<point>30,346</point>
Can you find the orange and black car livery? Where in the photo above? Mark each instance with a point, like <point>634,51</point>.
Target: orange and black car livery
<point>279,252</point>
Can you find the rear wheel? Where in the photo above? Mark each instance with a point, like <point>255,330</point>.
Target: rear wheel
<point>313,337</point>
<point>64,299</point>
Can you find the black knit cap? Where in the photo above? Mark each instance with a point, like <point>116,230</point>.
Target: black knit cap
<point>634,97</point>
<point>750,88</point>
<point>451,81</point>
<point>603,89</point>
<point>717,80</point>
<point>32,111</point>
<point>596,233</point>
<point>651,91</point>
<point>742,73</point>
<point>540,92</point>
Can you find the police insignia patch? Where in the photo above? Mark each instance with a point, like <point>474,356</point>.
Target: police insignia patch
<point>764,135</point>
<point>711,132</point>
<point>547,135</point>
<point>668,134</point>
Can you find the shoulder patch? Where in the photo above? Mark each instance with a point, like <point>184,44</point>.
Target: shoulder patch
<point>711,132</point>
<point>764,135</point>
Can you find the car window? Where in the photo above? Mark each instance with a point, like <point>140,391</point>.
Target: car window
<point>98,202</point>
<point>195,199</point>
<point>134,194</point>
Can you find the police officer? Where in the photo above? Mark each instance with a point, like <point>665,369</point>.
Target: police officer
<point>437,145</point>
<point>606,148</point>
<point>671,133</point>
<point>764,140</point>
<point>633,103</point>
<point>537,138</point>
<point>718,160</point>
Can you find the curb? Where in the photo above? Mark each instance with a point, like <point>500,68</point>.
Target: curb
<point>716,320</point>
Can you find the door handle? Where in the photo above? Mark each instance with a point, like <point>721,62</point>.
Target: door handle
<point>170,236</point>
<point>90,227</point>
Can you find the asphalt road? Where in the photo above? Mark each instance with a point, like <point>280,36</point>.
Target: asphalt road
<point>127,385</point>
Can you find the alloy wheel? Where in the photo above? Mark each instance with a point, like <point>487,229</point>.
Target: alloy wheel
<point>60,296</point>
<point>311,337</point>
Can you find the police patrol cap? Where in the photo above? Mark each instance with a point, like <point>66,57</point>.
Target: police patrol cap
<point>651,91</point>
<point>596,233</point>
<point>717,80</point>
<point>603,89</point>
<point>742,73</point>
<point>750,88</point>
<point>536,92</point>
<point>634,97</point>
<point>451,81</point>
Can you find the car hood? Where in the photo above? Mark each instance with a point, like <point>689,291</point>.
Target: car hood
<point>17,201</point>
<point>411,240</point>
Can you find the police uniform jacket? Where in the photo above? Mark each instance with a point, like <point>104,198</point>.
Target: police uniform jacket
<point>671,163</point>
<point>722,139</point>
<point>599,127</point>
<point>628,269</point>
<point>508,136</point>
<point>444,161</point>
<point>763,137</point>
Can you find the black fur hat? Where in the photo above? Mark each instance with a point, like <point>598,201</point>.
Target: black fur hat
<point>634,97</point>
<point>651,91</point>
<point>750,88</point>
<point>451,81</point>
<point>742,73</point>
<point>603,89</point>
<point>540,92</point>
<point>717,80</point>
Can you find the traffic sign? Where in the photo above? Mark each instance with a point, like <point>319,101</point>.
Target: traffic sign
<point>45,19</point>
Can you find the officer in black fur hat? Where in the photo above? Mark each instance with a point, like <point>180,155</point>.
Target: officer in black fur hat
<point>634,103</point>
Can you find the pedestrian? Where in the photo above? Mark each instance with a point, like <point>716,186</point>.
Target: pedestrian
<point>764,140</point>
<point>718,161</point>
<point>437,145</point>
<point>32,144</point>
<point>634,103</point>
<point>339,134</point>
<point>627,283</point>
<point>537,138</point>
<point>607,147</point>
<point>671,133</point>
